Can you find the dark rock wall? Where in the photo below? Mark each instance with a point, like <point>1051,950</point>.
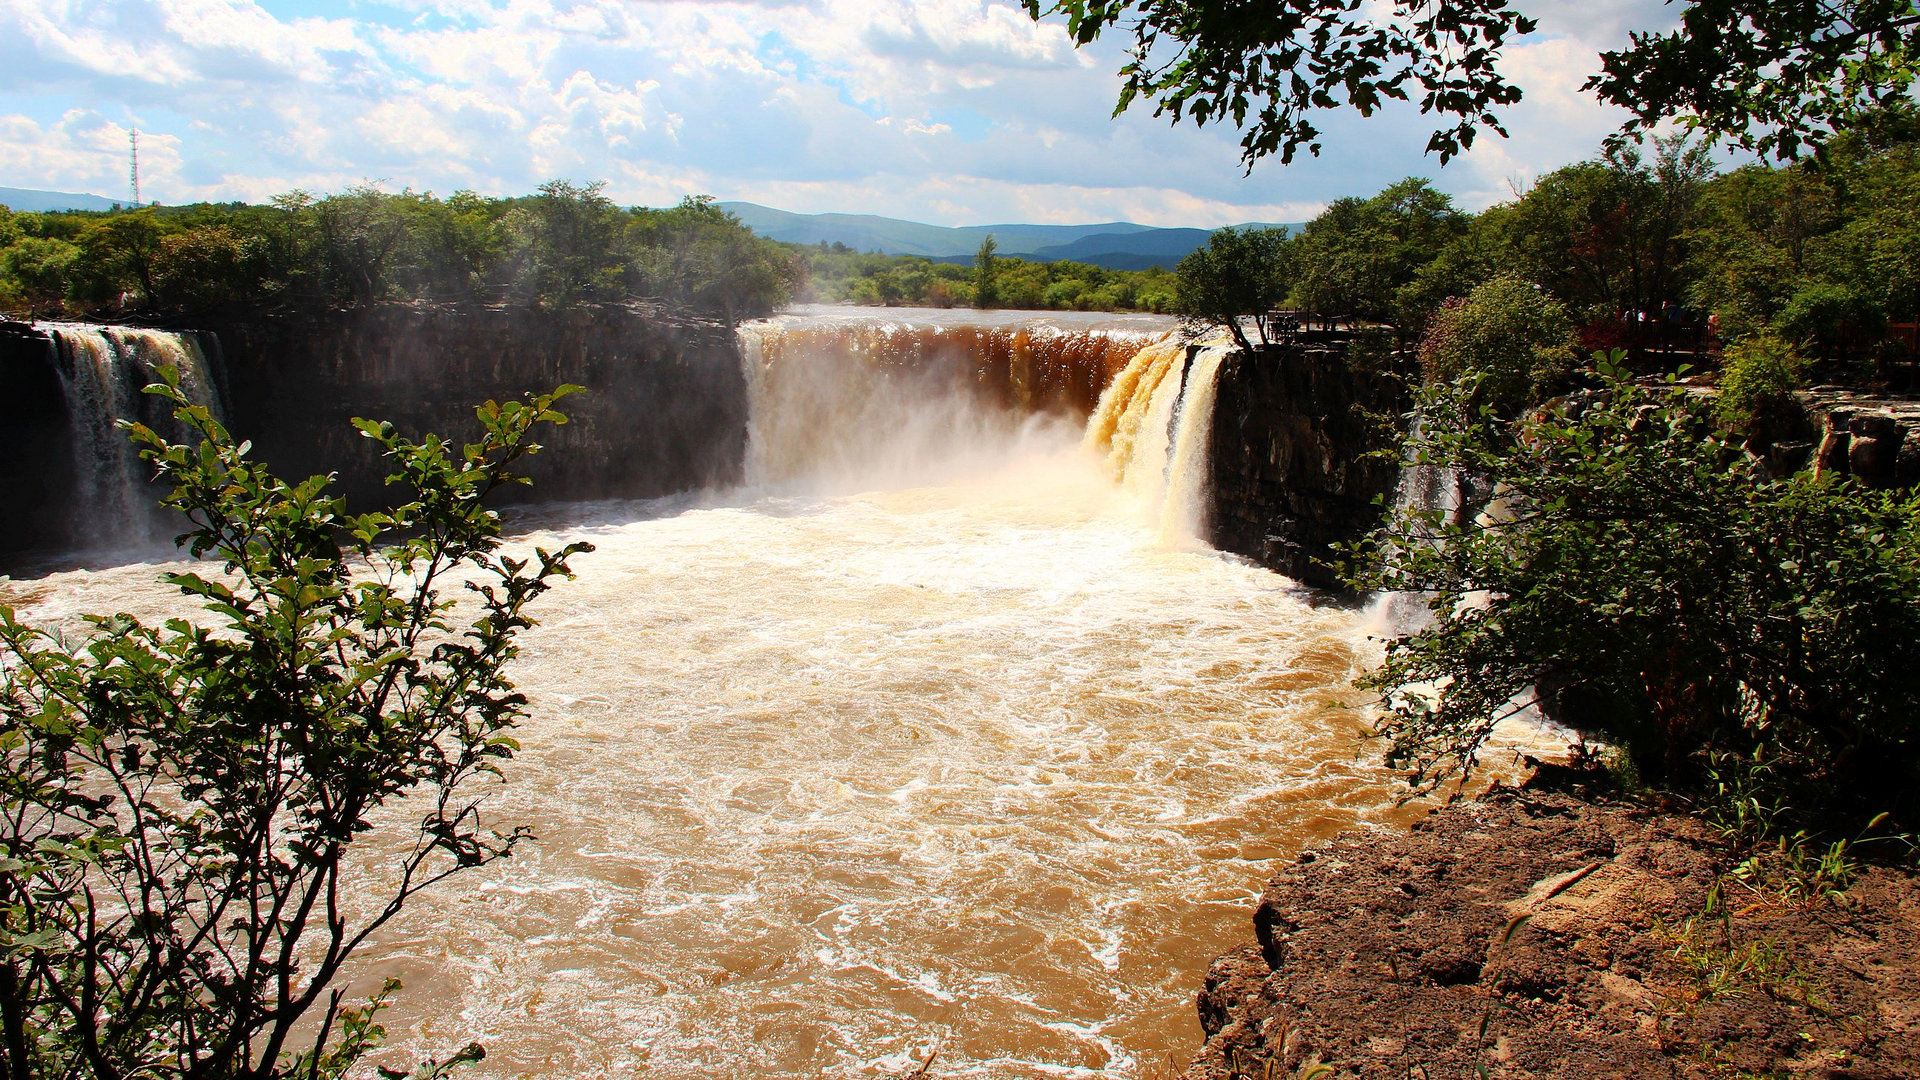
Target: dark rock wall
<point>665,411</point>
<point>1876,440</point>
<point>1292,429</point>
<point>36,446</point>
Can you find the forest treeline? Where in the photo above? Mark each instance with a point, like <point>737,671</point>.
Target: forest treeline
<point>1634,245</point>
<point>835,273</point>
<point>1636,248</point>
<point>563,245</point>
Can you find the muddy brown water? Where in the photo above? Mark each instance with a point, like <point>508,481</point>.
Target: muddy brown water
<point>824,774</point>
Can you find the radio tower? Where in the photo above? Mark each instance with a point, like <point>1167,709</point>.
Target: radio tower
<point>133,163</point>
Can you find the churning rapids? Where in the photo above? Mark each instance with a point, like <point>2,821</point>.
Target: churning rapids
<point>941,730</point>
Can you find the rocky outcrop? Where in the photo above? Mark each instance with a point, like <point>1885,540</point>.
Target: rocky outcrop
<point>1867,437</point>
<point>1538,935</point>
<point>1292,477</point>
<point>665,408</point>
<point>1873,438</point>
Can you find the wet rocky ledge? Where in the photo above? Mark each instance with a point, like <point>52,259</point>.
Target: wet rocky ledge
<point>1534,933</point>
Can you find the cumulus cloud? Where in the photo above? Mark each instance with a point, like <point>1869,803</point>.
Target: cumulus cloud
<point>83,151</point>
<point>955,111</point>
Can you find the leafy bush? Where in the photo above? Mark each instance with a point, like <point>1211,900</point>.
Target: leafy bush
<point>1515,339</point>
<point>180,800</point>
<point>1758,376</point>
<point>1643,580</point>
<point>1827,313</point>
<point>39,265</point>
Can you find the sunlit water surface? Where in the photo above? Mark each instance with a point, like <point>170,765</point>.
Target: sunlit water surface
<point>822,781</point>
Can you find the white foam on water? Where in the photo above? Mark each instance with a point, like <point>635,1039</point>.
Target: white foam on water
<point>820,778</point>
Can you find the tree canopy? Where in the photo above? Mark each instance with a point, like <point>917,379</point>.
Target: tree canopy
<point>565,244</point>
<point>1643,250</point>
<point>1775,76</point>
<point>1238,273</point>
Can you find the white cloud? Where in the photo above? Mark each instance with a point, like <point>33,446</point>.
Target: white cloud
<point>956,111</point>
<point>83,151</point>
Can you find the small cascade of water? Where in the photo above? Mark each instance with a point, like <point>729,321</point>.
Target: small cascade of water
<point>103,370</point>
<point>1422,486</point>
<point>1129,426</point>
<point>1153,427</point>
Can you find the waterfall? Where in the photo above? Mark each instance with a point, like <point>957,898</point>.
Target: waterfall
<point>855,402</point>
<point>102,372</point>
<point>1153,427</point>
<point>1129,427</point>
<point>1183,518</point>
<point>859,402</point>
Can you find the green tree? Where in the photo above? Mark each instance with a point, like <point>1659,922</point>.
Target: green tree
<point>1608,236</point>
<point>1750,244</point>
<point>1353,260</point>
<point>1239,273</point>
<point>1268,67</point>
<point>181,800</point>
<point>746,275</point>
<point>39,267</point>
<point>985,274</point>
<point>121,250</point>
<point>1776,76</point>
<point>1645,582</point>
<point>566,241</point>
<point>1772,76</point>
<point>1485,247</point>
<point>360,230</point>
<point>1823,253</point>
<point>452,246</point>
<point>1515,341</point>
<point>209,267</point>
<point>699,255</point>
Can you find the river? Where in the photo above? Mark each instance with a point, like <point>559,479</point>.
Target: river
<point>851,762</point>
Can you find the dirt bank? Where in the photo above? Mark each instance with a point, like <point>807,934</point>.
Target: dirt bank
<point>1535,934</point>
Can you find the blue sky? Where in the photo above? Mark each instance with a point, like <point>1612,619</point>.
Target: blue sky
<point>955,112</point>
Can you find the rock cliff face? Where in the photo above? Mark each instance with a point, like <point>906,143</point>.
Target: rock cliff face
<point>666,408</point>
<point>36,458</point>
<point>1875,439</point>
<point>1291,477</point>
<point>665,411</point>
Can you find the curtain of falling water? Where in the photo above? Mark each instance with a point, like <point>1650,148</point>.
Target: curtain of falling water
<point>860,404</point>
<point>1152,427</point>
<point>102,371</point>
<point>969,757</point>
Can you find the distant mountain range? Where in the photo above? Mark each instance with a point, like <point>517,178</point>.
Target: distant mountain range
<point>1117,245</point>
<point>26,200</point>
